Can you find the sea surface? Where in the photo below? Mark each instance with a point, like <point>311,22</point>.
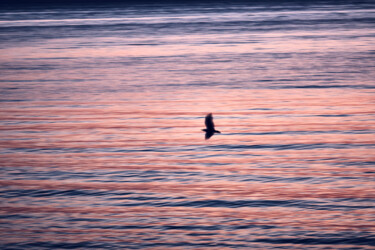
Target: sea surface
<point>102,109</point>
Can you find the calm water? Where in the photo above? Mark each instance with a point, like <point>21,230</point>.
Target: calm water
<point>102,110</point>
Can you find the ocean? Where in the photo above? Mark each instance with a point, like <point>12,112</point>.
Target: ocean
<point>102,109</point>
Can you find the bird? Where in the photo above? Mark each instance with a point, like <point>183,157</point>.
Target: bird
<point>210,127</point>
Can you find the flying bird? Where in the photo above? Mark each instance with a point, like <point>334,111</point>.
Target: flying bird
<point>210,127</point>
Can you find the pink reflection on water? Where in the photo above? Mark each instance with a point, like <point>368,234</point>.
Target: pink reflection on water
<point>213,189</point>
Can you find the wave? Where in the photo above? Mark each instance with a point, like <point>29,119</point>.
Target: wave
<point>326,86</point>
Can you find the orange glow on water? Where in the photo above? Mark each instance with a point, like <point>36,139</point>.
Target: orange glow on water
<point>101,120</point>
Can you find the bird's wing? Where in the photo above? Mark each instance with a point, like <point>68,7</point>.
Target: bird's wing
<point>209,122</point>
<point>209,134</point>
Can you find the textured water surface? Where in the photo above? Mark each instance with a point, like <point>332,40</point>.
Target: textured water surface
<point>102,110</point>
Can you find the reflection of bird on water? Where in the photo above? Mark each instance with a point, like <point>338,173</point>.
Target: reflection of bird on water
<point>210,127</point>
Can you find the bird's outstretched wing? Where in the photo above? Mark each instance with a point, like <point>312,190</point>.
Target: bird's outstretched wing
<point>209,122</point>
<point>208,134</point>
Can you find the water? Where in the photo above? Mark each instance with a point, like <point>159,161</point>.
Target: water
<point>102,109</point>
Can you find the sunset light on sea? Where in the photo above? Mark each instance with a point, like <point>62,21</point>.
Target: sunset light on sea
<point>102,107</point>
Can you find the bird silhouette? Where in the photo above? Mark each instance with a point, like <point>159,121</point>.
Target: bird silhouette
<point>210,127</point>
